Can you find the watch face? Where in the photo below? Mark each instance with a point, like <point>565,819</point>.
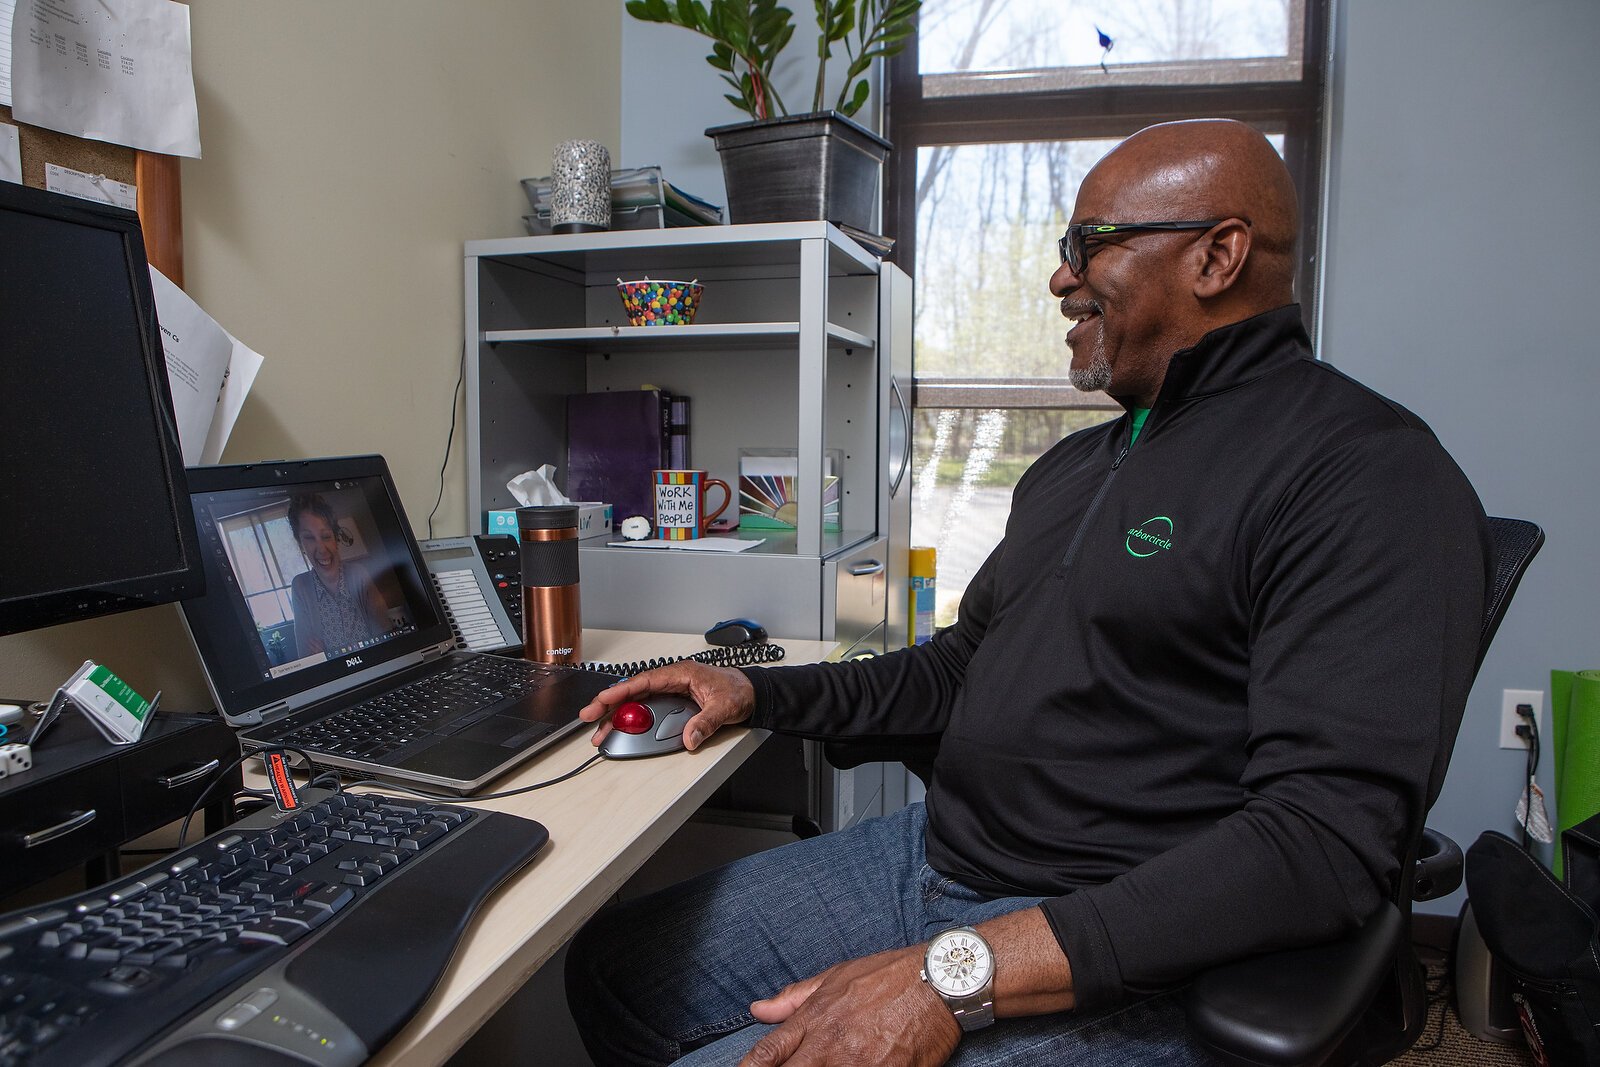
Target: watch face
<point>959,963</point>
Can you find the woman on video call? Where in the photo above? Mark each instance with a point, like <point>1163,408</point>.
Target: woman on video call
<point>336,606</point>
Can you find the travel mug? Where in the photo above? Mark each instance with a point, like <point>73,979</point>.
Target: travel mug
<point>552,631</point>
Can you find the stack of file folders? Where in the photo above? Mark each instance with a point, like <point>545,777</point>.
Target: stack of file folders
<point>641,199</point>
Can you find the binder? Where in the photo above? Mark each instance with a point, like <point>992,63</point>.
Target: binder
<point>616,440</point>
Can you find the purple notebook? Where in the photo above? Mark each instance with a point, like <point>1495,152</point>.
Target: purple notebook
<point>614,441</point>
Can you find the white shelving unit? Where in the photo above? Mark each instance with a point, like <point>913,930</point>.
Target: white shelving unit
<point>796,345</point>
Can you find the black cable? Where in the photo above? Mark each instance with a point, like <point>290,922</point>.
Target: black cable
<point>746,655</point>
<point>461,376</point>
<point>183,831</point>
<point>1437,998</point>
<point>1532,737</point>
<point>474,798</point>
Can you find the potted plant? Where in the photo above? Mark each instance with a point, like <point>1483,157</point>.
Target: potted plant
<point>780,167</point>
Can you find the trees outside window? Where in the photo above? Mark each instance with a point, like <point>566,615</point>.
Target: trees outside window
<point>997,110</point>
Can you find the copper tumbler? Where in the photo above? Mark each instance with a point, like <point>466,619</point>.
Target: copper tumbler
<point>552,631</point>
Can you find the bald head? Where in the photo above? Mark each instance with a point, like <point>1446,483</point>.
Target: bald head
<point>1217,248</point>
<point>1212,169</point>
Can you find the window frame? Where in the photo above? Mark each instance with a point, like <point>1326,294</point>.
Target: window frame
<point>1295,108</point>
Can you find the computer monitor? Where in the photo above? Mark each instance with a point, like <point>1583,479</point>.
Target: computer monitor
<point>94,508</point>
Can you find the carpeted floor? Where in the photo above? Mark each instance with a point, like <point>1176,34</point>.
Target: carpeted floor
<point>1445,1044</point>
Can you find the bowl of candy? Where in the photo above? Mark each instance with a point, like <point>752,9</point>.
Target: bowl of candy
<point>660,303</point>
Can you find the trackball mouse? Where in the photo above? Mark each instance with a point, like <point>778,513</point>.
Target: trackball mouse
<point>649,727</point>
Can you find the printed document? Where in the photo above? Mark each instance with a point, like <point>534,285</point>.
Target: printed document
<point>109,70</point>
<point>208,371</point>
<point>5,51</point>
<point>96,187</point>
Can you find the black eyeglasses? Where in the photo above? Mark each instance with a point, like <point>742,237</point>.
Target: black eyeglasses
<point>1074,243</point>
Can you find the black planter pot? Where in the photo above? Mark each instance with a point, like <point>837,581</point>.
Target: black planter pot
<point>800,167</point>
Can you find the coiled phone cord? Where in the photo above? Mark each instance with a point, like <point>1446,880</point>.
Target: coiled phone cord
<point>745,655</point>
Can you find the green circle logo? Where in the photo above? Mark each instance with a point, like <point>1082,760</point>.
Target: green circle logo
<point>1149,537</point>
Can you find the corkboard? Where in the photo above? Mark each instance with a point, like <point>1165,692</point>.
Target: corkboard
<point>155,176</point>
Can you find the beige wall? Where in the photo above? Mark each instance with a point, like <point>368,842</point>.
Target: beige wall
<point>350,149</point>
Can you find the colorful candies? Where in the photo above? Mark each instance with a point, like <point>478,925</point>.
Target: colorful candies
<point>652,303</point>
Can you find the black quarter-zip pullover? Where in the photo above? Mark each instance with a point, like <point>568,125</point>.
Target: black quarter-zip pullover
<point>1195,695</point>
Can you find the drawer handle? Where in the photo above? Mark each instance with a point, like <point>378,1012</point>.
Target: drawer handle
<point>178,781</point>
<point>78,821</point>
<point>866,566</point>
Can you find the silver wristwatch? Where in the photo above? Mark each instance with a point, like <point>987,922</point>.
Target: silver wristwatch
<point>959,965</point>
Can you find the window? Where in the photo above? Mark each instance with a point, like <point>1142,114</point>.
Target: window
<point>997,109</point>
<point>264,557</point>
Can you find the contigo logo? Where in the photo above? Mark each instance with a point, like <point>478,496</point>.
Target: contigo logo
<point>353,661</point>
<point>1150,537</point>
<point>558,651</point>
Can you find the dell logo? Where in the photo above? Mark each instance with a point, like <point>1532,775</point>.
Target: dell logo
<point>353,661</point>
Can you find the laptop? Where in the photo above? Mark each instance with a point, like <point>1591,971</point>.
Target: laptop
<point>320,631</point>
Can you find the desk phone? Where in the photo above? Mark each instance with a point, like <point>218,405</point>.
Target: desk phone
<point>479,579</point>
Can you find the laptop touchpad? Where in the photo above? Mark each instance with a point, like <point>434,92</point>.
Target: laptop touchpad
<point>502,730</point>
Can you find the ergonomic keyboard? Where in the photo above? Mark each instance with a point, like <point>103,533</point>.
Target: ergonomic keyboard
<point>308,936</point>
<point>381,725</point>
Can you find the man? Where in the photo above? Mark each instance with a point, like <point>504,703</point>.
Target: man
<point>1188,711</point>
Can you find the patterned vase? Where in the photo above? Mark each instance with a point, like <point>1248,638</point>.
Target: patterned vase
<point>580,187</point>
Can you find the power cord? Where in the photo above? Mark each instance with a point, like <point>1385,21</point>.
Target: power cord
<point>394,787</point>
<point>461,376</point>
<point>333,779</point>
<point>1529,732</point>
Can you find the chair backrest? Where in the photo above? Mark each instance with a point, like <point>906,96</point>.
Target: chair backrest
<point>1514,543</point>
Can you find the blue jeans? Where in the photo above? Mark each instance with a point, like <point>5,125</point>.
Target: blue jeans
<point>672,975</point>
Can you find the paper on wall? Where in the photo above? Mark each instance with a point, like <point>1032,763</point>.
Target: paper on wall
<point>10,154</point>
<point>5,51</point>
<point>96,187</point>
<point>208,371</point>
<point>109,70</point>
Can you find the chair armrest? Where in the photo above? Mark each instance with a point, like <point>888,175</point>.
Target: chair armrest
<point>1292,1008</point>
<point>1439,866</point>
<point>917,753</point>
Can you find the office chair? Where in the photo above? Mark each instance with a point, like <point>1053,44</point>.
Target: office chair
<point>1360,999</point>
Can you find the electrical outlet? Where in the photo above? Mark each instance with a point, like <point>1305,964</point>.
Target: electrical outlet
<point>1509,719</point>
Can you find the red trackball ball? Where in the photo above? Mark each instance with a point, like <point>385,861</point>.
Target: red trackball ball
<point>632,718</point>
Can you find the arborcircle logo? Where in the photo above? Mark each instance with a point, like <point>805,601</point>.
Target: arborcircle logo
<point>1150,537</point>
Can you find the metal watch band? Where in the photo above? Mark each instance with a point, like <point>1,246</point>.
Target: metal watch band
<point>974,1012</point>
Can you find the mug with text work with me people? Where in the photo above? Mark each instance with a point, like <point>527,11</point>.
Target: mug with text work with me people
<point>681,512</point>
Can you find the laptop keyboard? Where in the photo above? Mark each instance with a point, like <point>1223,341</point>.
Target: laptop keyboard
<point>382,725</point>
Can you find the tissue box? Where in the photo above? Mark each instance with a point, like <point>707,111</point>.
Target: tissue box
<point>594,520</point>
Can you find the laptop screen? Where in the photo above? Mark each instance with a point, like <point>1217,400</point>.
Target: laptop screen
<point>312,575</point>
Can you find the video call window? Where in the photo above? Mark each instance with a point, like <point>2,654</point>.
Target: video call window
<point>311,585</point>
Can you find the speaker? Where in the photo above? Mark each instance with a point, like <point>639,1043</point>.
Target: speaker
<point>1483,992</point>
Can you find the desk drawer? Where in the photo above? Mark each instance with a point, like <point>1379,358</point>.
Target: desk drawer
<point>162,780</point>
<point>58,824</point>
<point>858,604</point>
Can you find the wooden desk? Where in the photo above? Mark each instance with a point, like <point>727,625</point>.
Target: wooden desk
<point>603,825</point>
